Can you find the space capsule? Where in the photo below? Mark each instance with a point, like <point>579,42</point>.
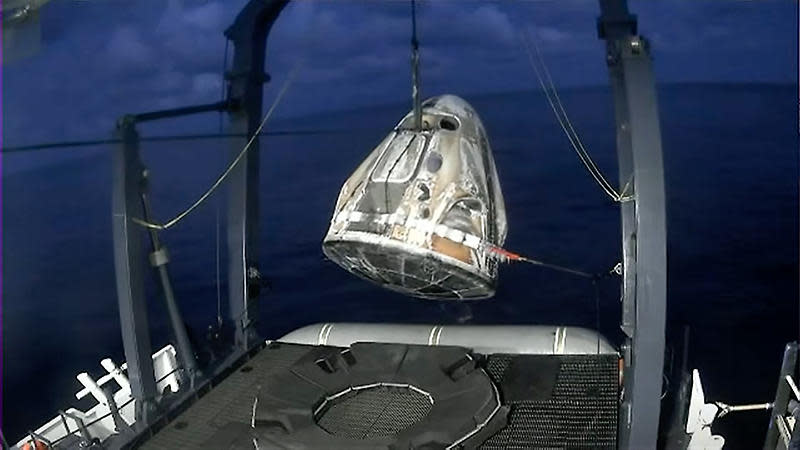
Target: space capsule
<point>420,213</point>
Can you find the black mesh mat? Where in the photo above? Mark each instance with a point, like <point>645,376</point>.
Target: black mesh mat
<point>557,401</point>
<point>378,411</point>
<point>378,395</point>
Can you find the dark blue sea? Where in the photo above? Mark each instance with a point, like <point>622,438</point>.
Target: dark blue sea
<point>731,157</point>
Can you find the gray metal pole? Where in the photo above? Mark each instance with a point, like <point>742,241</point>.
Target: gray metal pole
<point>159,259</point>
<point>415,91</point>
<point>128,261</point>
<point>643,222</point>
<point>249,36</point>
<point>782,395</point>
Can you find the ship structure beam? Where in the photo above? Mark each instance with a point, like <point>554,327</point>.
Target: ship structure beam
<point>245,86</point>
<point>643,222</point>
<point>129,261</point>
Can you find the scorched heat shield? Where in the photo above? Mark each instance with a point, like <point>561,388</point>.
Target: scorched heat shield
<point>420,211</point>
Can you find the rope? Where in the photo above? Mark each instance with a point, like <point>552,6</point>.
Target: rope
<point>108,414</point>
<point>222,84</point>
<point>558,268</point>
<point>216,203</point>
<point>167,138</point>
<point>227,171</point>
<point>217,259</point>
<point>547,84</point>
<point>508,256</point>
<point>560,104</point>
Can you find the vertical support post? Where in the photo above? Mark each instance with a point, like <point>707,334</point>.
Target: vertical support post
<point>782,395</point>
<point>627,208</point>
<point>643,222</point>
<point>128,262</point>
<point>86,437</point>
<point>249,36</point>
<point>120,423</point>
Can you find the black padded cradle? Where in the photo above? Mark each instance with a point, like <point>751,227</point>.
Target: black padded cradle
<point>554,401</point>
<point>372,395</point>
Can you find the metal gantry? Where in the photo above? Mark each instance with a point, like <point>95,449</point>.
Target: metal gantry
<point>245,84</point>
<point>130,205</point>
<point>780,406</point>
<point>641,175</point>
<point>643,216</point>
<point>129,265</point>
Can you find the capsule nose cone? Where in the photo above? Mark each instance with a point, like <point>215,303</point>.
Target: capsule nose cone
<point>450,103</point>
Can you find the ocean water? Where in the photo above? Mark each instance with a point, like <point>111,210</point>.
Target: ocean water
<point>731,165</point>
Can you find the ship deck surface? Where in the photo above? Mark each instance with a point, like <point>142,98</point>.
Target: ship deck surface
<point>577,407</point>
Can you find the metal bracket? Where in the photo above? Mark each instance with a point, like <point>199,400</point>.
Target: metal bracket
<point>262,77</point>
<point>782,394</point>
<point>36,438</point>
<point>120,423</point>
<point>86,438</point>
<point>725,409</point>
<point>159,257</point>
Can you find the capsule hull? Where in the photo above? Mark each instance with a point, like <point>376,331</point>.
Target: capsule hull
<point>419,212</point>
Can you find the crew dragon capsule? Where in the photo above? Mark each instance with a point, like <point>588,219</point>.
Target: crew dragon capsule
<point>423,210</point>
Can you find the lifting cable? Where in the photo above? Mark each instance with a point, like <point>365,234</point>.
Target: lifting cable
<point>508,256</point>
<point>550,91</point>
<point>415,102</point>
<point>415,69</point>
<point>168,224</point>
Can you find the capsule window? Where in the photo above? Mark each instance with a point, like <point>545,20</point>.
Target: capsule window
<point>447,123</point>
<point>434,162</point>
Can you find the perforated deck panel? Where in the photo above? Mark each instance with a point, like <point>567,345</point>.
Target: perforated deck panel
<point>380,411</point>
<point>557,401</point>
<point>228,405</point>
<point>378,396</point>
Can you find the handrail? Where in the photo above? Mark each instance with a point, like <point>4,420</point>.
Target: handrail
<point>109,414</point>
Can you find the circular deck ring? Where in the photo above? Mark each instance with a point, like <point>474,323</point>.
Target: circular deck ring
<point>375,395</point>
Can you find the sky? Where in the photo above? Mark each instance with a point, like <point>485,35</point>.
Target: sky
<point>101,59</point>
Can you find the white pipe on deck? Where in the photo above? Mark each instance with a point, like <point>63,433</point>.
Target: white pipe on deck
<point>514,339</point>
